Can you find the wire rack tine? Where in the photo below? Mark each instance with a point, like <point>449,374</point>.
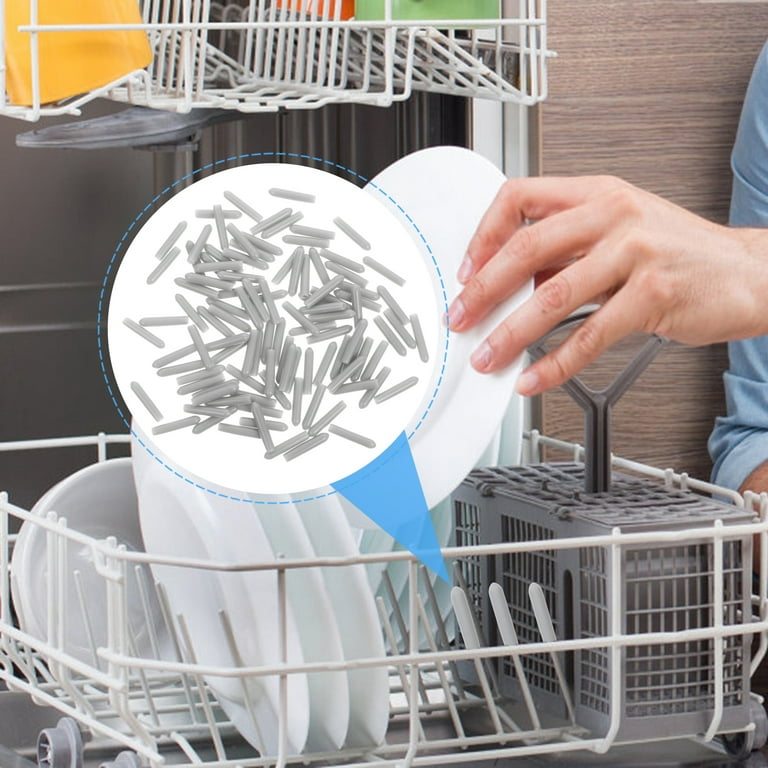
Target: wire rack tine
<point>149,699</point>
<point>400,668</point>
<point>188,653</point>
<point>440,667</point>
<point>546,629</point>
<point>441,634</point>
<point>473,627</point>
<point>238,662</point>
<point>85,616</point>
<point>402,625</point>
<point>471,637</point>
<point>509,637</point>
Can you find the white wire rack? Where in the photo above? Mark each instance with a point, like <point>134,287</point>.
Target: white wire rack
<point>438,713</point>
<point>256,56</point>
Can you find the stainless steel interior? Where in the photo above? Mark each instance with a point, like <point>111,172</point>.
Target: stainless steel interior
<point>62,217</point>
<point>63,212</point>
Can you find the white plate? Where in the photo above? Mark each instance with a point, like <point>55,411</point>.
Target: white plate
<point>99,501</point>
<point>357,618</point>
<point>316,623</point>
<point>445,191</point>
<point>180,520</point>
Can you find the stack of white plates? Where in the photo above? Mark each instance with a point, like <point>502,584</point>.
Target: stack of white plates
<point>223,618</point>
<point>230,618</point>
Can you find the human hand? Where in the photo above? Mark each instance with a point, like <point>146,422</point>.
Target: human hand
<point>651,265</point>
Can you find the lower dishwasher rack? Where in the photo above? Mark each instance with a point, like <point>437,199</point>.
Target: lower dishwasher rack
<point>447,704</point>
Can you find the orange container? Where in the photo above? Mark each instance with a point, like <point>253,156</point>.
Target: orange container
<point>72,62</point>
<point>321,7</point>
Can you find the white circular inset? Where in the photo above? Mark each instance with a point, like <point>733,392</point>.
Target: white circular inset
<point>236,258</point>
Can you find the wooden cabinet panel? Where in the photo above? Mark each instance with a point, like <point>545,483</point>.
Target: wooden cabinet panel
<point>651,90</point>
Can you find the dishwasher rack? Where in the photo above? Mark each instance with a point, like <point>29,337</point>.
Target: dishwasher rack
<point>446,704</point>
<point>263,56</point>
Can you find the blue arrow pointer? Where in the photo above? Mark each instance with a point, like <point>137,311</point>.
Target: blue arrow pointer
<point>388,490</point>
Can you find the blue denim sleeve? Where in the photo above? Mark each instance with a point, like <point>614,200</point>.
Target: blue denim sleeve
<point>739,440</point>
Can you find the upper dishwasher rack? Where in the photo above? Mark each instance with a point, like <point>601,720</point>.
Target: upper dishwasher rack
<point>259,56</point>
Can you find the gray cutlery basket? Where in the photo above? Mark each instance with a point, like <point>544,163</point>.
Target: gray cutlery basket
<point>668,686</point>
<point>663,684</point>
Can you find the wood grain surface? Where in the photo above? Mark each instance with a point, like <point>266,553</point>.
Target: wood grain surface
<point>651,90</point>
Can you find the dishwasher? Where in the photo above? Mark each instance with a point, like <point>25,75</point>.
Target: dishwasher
<point>599,611</point>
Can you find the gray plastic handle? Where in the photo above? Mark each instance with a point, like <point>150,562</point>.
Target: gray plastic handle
<point>597,404</point>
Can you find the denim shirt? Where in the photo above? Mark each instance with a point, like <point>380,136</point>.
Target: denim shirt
<point>739,442</point>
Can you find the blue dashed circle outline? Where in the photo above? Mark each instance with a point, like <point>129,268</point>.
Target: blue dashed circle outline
<point>151,204</point>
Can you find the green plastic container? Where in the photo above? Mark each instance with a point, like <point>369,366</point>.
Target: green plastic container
<point>373,10</point>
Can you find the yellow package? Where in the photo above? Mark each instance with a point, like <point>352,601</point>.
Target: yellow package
<point>72,62</point>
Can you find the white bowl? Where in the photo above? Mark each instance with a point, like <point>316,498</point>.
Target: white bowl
<point>99,501</point>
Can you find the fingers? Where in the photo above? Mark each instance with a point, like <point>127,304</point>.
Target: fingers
<point>549,244</point>
<point>550,303</point>
<point>592,240</point>
<point>519,200</point>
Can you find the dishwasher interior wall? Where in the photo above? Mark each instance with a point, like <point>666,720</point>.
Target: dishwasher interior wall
<point>63,212</point>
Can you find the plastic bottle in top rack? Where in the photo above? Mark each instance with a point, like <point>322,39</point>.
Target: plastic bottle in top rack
<point>372,10</point>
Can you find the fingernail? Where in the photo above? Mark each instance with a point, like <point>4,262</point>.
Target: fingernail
<point>482,357</point>
<point>466,270</point>
<point>528,383</point>
<point>456,313</point>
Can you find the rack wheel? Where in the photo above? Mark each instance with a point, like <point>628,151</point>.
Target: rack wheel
<point>60,747</point>
<point>125,759</point>
<point>740,745</point>
<point>760,719</point>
